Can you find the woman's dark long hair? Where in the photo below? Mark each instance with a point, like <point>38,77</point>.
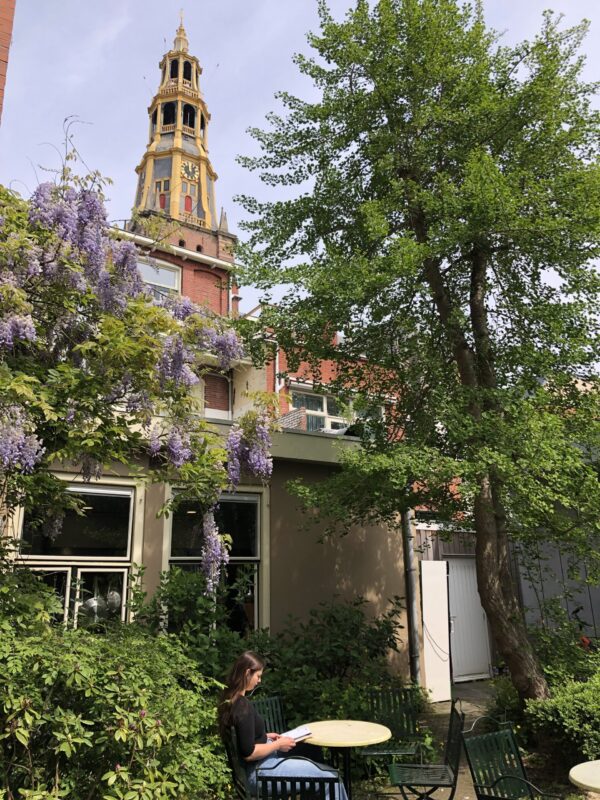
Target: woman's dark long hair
<point>236,684</point>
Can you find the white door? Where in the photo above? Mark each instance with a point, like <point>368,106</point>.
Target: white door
<point>469,638</point>
<point>436,637</point>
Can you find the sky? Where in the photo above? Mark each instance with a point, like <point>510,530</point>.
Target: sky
<point>98,62</point>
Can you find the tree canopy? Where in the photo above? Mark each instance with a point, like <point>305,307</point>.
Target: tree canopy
<point>438,238</point>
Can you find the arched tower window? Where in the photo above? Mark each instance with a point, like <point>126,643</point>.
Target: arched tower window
<point>202,125</point>
<point>168,114</point>
<point>189,115</point>
<point>163,74</point>
<point>154,119</point>
<point>174,68</point>
<point>187,71</point>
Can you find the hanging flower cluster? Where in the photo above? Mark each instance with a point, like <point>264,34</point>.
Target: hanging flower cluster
<point>248,448</point>
<point>19,448</point>
<point>78,218</point>
<point>214,553</point>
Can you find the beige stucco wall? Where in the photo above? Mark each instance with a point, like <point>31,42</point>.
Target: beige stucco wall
<point>304,572</point>
<point>153,536</point>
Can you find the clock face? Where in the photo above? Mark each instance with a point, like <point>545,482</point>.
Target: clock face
<point>189,170</point>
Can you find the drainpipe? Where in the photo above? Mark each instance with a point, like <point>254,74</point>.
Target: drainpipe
<point>410,579</point>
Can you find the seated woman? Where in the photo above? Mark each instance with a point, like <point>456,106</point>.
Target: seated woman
<point>258,748</point>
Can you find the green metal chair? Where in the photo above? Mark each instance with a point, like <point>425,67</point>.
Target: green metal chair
<point>271,710</point>
<point>496,767</point>
<point>421,780</point>
<point>238,773</point>
<point>273,787</point>
<point>397,708</point>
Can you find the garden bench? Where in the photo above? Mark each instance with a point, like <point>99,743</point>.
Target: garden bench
<point>497,768</point>
<point>421,780</point>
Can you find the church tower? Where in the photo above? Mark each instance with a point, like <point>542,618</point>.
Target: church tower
<point>175,174</point>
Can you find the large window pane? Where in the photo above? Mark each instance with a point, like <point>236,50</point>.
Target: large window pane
<point>311,402</point>
<point>240,521</point>
<point>103,532</point>
<point>161,276</point>
<point>186,531</point>
<point>314,423</point>
<point>100,596</point>
<point>238,518</point>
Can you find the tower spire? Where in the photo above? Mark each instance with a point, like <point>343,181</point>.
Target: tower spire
<point>176,177</point>
<point>181,41</point>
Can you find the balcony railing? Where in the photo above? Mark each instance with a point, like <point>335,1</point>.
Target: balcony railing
<point>192,219</point>
<point>168,128</point>
<point>188,130</point>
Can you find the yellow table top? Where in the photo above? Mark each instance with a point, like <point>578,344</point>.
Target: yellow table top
<point>586,776</point>
<point>347,733</point>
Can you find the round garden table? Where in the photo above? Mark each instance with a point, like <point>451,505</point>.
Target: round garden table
<point>343,735</point>
<point>586,776</point>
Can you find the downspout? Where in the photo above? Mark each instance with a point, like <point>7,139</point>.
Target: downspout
<point>410,580</point>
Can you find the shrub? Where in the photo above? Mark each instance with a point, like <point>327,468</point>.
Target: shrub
<point>570,719</point>
<point>323,667</point>
<point>110,714</point>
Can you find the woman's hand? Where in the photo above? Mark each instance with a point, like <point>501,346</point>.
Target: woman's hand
<point>273,736</point>
<point>285,744</point>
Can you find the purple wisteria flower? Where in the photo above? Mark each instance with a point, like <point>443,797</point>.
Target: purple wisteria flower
<point>248,447</point>
<point>154,442</point>
<point>16,328</point>
<point>226,346</point>
<point>178,447</point>
<point>174,363</point>
<point>125,260</point>
<point>20,449</point>
<point>180,307</point>
<point>214,553</point>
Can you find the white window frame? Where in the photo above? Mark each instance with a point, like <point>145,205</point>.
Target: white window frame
<point>157,264</point>
<point>112,570</point>
<point>327,418</point>
<point>261,561</point>
<point>68,582</point>
<point>110,490</point>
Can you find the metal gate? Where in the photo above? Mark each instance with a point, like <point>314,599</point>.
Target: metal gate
<point>469,637</point>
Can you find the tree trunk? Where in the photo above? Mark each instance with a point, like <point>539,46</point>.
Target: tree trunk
<point>499,597</point>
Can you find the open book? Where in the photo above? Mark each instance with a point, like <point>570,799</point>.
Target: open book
<point>299,733</point>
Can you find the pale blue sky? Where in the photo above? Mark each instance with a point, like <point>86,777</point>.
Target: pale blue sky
<point>99,61</point>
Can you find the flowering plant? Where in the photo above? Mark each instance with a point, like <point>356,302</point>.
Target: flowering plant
<point>249,441</point>
<point>93,369</point>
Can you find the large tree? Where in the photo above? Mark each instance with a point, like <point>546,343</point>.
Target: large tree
<point>443,219</point>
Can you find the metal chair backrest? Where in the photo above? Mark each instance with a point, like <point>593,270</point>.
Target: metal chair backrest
<point>240,779</point>
<point>271,710</point>
<point>396,708</point>
<point>491,755</point>
<point>269,788</point>
<point>453,742</point>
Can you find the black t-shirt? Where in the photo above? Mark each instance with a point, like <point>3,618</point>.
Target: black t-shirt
<point>249,726</point>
